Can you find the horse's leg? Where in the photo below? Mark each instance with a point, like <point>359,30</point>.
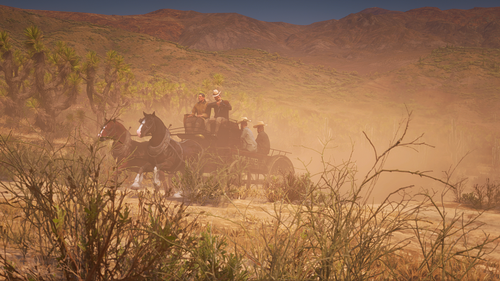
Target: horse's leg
<point>138,180</point>
<point>177,193</point>
<point>169,187</point>
<point>157,181</point>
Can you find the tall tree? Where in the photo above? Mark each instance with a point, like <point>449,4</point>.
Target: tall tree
<point>113,93</point>
<point>55,78</point>
<point>165,91</point>
<point>145,93</point>
<point>16,69</point>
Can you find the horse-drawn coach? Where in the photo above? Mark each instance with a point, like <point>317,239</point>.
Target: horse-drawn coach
<point>168,155</point>
<point>225,145</point>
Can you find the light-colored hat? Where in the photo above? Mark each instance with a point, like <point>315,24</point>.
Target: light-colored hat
<point>216,93</point>
<point>244,119</point>
<point>260,123</point>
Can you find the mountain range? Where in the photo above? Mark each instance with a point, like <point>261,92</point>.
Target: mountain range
<point>338,43</point>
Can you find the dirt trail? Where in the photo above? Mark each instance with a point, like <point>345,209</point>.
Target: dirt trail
<point>250,212</point>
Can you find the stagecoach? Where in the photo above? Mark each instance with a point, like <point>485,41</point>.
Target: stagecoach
<point>225,145</point>
<point>162,153</point>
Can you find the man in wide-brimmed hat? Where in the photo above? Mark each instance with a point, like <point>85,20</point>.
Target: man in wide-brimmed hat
<point>247,139</point>
<point>263,143</point>
<point>221,111</point>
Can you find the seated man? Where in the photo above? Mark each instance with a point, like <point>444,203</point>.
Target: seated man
<point>263,143</point>
<point>247,140</point>
<point>196,120</point>
<point>221,112</point>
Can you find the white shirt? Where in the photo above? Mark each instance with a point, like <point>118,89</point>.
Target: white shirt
<point>248,140</point>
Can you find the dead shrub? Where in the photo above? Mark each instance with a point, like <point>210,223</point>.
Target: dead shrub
<point>289,188</point>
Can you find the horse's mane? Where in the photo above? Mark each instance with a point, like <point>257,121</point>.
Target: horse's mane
<point>164,142</point>
<point>116,120</point>
<point>121,146</point>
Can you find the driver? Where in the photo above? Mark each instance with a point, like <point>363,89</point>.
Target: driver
<point>196,120</point>
<point>221,112</point>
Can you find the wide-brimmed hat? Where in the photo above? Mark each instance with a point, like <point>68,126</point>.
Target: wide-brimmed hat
<point>244,119</point>
<point>260,123</point>
<point>216,93</point>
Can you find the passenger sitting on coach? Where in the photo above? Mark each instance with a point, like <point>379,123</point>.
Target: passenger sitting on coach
<point>221,112</point>
<point>263,143</point>
<point>246,138</point>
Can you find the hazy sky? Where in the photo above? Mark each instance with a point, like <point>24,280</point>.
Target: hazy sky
<point>291,11</point>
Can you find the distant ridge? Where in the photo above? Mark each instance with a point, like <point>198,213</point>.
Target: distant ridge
<point>363,35</point>
<point>372,29</point>
<point>378,11</point>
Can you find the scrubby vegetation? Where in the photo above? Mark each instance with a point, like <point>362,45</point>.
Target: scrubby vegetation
<point>482,196</point>
<point>66,216</point>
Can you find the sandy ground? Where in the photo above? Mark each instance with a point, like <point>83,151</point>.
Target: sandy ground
<point>230,215</point>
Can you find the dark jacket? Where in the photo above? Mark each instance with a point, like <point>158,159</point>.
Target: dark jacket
<point>221,110</point>
<point>263,143</point>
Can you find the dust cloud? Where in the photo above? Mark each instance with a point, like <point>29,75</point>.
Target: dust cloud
<point>447,148</point>
<point>439,148</point>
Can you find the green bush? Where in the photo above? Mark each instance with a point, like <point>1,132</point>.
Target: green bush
<point>212,261</point>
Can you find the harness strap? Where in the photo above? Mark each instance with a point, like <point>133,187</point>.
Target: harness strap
<point>163,147</point>
<point>157,150</point>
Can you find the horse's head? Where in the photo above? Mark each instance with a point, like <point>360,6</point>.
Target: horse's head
<point>111,129</point>
<point>147,124</point>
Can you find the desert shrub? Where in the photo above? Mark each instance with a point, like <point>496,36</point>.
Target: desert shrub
<point>335,233</point>
<point>483,196</point>
<point>471,199</point>
<point>458,190</point>
<point>290,188</point>
<point>70,221</point>
<point>212,261</point>
<point>210,178</point>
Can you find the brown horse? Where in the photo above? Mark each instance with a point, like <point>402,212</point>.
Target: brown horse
<point>164,152</point>
<point>129,154</point>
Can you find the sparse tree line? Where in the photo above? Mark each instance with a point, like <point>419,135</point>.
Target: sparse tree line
<point>49,81</point>
<point>53,87</point>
